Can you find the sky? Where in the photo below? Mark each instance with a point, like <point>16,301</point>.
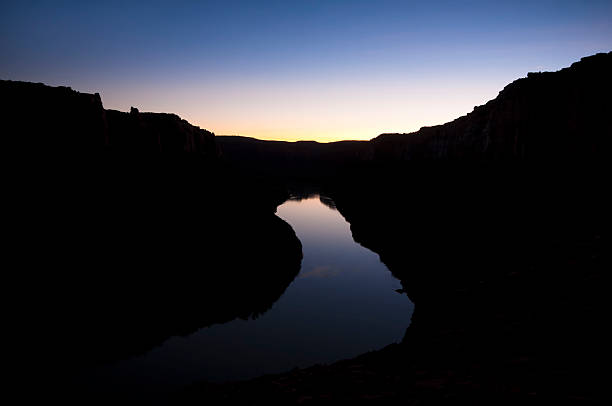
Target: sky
<point>290,70</point>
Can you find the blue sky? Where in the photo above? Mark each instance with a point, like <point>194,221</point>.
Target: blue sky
<point>294,70</point>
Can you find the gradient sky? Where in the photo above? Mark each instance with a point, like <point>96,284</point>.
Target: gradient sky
<point>322,70</point>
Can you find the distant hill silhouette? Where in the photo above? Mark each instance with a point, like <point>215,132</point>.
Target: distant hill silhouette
<point>303,160</point>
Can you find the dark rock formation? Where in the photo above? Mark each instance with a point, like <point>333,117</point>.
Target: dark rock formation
<point>123,292</point>
<point>123,229</point>
<point>507,276</point>
<point>505,270</point>
<point>547,116</point>
<point>495,225</point>
<point>58,120</point>
<point>41,119</point>
<point>303,161</point>
<point>157,132</point>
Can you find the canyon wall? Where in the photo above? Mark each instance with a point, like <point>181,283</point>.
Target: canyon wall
<point>496,226</point>
<point>547,116</point>
<point>47,120</point>
<point>124,229</point>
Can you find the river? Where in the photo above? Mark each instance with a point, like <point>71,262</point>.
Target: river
<point>342,303</point>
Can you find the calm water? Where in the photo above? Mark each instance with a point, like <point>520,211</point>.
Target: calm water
<point>343,303</point>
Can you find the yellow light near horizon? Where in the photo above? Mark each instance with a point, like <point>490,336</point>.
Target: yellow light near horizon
<point>349,118</point>
<point>317,111</point>
<point>292,136</point>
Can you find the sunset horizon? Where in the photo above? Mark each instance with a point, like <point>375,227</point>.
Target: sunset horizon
<point>322,71</point>
<point>237,202</point>
<point>289,135</point>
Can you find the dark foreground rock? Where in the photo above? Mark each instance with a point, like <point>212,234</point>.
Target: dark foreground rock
<point>508,286</point>
<point>559,117</point>
<point>124,229</point>
<point>45,120</point>
<point>496,225</point>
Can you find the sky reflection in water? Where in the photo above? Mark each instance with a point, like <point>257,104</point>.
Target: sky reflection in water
<point>343,303</point>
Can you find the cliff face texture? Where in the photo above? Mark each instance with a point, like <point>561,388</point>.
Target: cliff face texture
<point>550,116</point>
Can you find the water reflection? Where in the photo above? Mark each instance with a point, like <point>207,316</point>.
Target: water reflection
<point>343,303</point>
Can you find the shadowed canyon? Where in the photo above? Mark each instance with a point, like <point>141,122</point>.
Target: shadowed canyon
<point>128,228</point>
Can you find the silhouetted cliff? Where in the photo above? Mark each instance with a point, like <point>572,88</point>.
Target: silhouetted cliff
<point>44,119</point>
<point>157,132</point>
<point>495,224</point>
<point>124,229</point>
<point>547,116</point>
<point>58,120</point>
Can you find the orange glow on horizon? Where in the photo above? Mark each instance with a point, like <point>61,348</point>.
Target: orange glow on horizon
<point>300,111</point>
<point>308,136</point>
